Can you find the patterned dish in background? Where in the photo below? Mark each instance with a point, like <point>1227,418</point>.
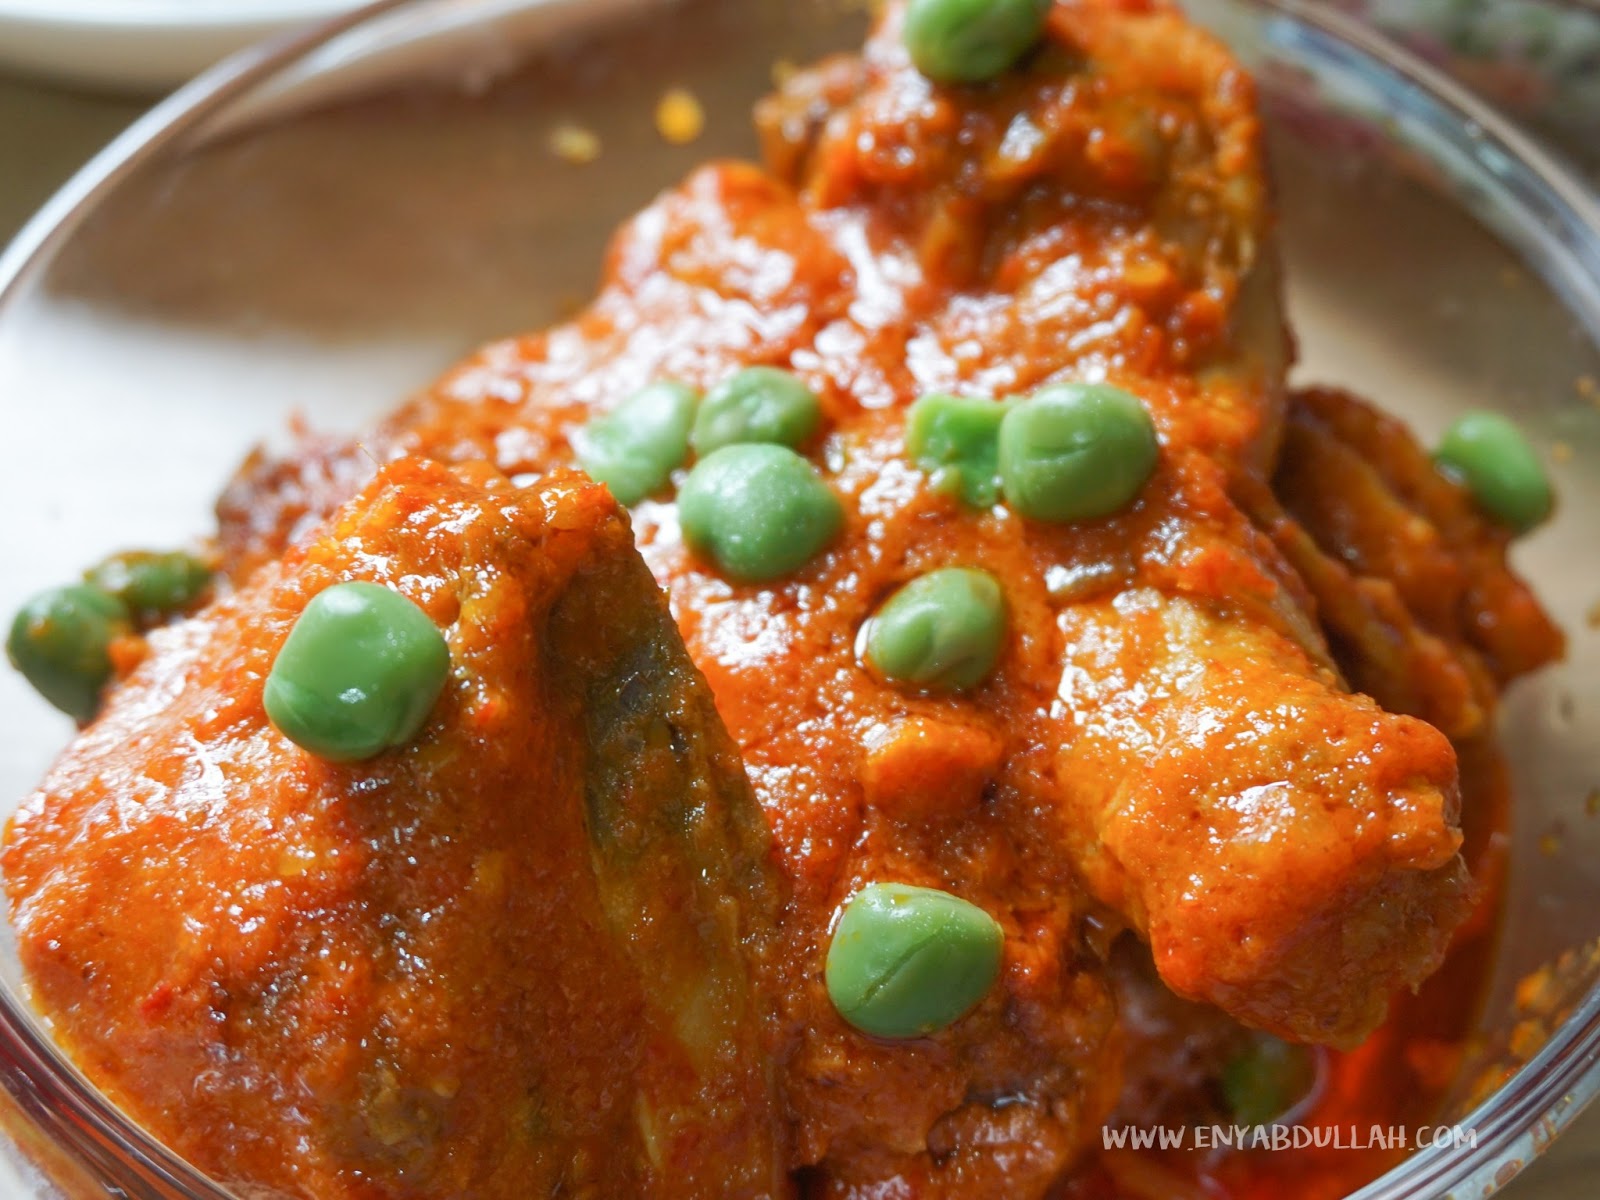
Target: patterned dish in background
<point>1539,59</point>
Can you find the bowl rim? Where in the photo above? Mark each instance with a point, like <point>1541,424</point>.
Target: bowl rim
<point>1513,1125</point>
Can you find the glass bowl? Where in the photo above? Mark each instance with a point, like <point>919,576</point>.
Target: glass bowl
<point>321,225</point>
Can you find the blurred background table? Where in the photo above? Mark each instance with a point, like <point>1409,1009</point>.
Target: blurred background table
<point>47,133</point>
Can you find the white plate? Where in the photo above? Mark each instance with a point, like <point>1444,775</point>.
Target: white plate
<point>143,45</point>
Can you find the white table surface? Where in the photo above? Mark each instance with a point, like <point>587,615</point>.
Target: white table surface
<point>46,133</point>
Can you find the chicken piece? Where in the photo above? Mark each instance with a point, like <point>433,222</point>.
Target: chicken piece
<point>1410,581</point>
<point>1405,574</point>
<point>1329,828</point>
<point>1412,584</point>
<point>1165,735</point>
<point>1363,487</point>
<point>512,958</point>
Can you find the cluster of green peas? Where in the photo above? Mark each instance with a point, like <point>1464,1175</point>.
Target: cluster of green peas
<point>1070,452</point>
<point>751,504</point>
<point>60,640</point>
<point>358,674</point>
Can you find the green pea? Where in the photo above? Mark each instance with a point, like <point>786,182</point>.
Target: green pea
<point>757,404</point>
<point>956,440</point>
<point>1076,452</point>
<point>150,582</point>
<point>908,961</point>
<point>970,41</point>
<point>358,674</point>
<point>943,631</point>
<point>61,642</point>
<point>757,511</point>
<point>634,449</point>
<point>1266,1079</point>
<point>1488,454</point>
